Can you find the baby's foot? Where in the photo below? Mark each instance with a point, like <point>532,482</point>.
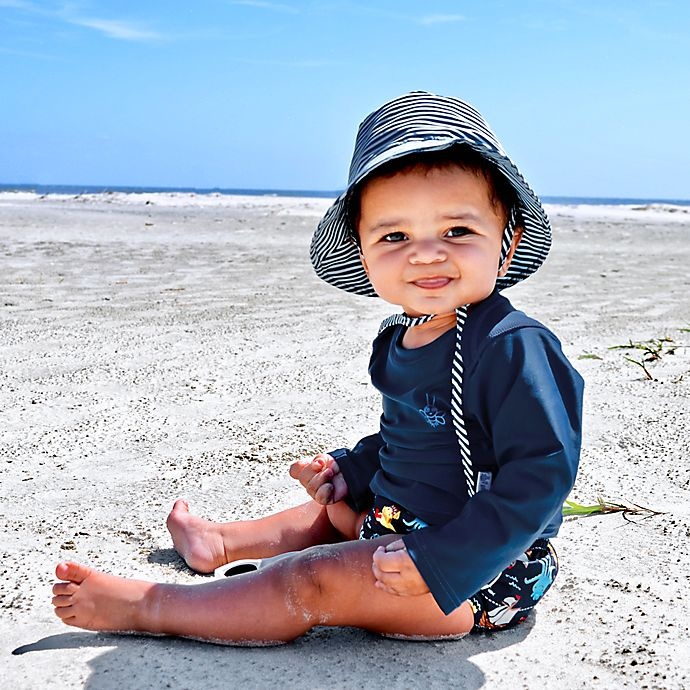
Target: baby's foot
<point>200,542</point>
<point>93,600</point>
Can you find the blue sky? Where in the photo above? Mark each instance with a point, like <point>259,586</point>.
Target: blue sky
<point>591,98</point>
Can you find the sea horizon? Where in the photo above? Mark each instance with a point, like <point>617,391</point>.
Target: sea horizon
<point>76,190</point>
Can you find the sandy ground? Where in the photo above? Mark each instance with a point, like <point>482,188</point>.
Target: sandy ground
<point>170,345</point>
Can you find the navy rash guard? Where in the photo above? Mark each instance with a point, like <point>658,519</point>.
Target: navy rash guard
<point>522,403</point>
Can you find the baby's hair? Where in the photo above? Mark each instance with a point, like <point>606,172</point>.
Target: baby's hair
<point>502,194</point>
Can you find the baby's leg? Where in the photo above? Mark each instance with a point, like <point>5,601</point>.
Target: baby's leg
<point>329,585</point>
<point>205,545</point>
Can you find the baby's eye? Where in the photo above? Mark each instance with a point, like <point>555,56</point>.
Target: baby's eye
<point>458,232</point>
<point>396,236</point>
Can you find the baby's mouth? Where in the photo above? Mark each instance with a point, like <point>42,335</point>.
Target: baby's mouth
<point>432,282</point>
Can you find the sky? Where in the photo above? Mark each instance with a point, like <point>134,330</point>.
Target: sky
<point>589,97</point>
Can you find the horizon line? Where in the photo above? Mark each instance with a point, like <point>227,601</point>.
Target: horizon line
<point>45,188</point>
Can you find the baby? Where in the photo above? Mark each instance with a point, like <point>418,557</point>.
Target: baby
<point>440,523</point>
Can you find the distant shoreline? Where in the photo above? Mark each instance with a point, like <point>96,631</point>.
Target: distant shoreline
<point>77,190</point>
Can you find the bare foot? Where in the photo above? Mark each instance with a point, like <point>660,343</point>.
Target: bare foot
<point>200,542</point>
<point>92,600</point>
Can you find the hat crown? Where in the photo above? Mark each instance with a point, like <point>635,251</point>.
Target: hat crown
<point>417,121</point>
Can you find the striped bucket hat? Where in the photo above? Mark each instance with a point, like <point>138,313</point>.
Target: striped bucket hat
<point>411,124</point>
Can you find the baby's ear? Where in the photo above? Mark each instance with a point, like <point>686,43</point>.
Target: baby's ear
<point>517,236</point>
<point>364,262</point>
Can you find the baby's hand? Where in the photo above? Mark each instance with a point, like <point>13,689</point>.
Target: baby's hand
<point>321,478</point>
<point>395,571</point>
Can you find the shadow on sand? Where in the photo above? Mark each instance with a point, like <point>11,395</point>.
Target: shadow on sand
<point>326,657</point>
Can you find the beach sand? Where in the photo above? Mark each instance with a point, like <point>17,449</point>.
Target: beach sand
<point>166,345</point>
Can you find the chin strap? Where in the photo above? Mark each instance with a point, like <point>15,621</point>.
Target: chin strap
<point>456,413</point>
<point>507,239</point>
<point>404,320</point>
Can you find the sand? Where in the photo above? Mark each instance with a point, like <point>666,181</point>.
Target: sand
<point>157,346</point>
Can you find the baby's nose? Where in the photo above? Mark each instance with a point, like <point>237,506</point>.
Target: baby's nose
<point>428,252</point>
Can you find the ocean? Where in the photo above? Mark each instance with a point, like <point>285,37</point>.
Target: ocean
<point>98,189</point>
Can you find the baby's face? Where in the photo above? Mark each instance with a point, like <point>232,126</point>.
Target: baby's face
<point>430,238</point>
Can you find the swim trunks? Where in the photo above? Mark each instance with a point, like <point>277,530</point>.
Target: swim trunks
<point>502,603</point>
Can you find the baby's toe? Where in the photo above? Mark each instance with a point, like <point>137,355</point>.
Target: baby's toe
<point>64,588</point>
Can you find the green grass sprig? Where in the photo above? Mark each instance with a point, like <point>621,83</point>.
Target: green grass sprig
<point>652,351</point>
<point>602,507</point>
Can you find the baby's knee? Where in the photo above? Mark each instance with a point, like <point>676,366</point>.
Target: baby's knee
<point>313,579</point>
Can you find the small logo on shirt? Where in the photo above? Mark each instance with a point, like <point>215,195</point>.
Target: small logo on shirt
<point>432,415</point>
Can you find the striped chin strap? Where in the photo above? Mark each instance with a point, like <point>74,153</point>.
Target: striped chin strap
<point>475,481</point>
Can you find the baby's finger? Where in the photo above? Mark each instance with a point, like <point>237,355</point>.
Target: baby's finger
<point>390,561</point>
<point>298,467</point>
<point>384,588</point>
<point>328,461</point>
<point>379,573</point>
<point>397,545</point>
<point>312,470</point>
<point>339,487</point>
<point>314,464</point>
<point>322,459</point>
<point>324,494</point>
<point>391,582</point>
<point>323,477</point>
<point>306,474</point>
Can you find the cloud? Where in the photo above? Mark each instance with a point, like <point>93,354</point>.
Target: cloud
<point>263,5</point>
<point>431,19</point>
<point>18,5</point>
<point>113,28</point>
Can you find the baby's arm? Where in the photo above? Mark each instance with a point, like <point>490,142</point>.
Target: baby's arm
<point>321,477</point>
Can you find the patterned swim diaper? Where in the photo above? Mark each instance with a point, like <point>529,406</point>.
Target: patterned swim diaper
<point>387,518</point>
<point>504,602</point>
<point>509,598</point>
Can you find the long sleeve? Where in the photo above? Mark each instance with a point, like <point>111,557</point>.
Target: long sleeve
<point>527,400</point>
<point>358,466</point>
